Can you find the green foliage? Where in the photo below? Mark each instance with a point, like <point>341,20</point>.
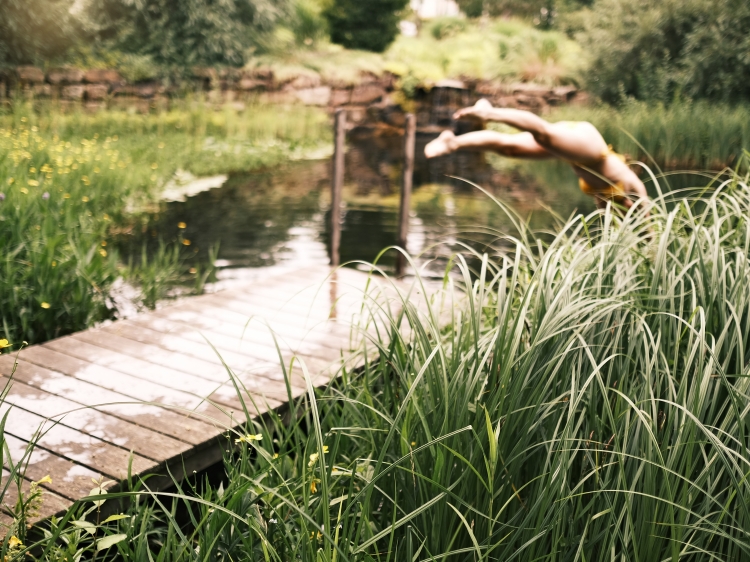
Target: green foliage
<point>371,25</point>
<point>505,49</point>
<point>308,24</point>
<point>73,185</point>
<point>440,28</point>
<point>687,135</point>
<point>185,33</point>
<point>577,395</point>
<point>661,50</point>
<point>32,31</point>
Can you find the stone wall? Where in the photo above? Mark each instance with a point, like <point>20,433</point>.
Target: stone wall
<point>373,101</point>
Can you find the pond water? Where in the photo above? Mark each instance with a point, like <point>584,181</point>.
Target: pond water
<point>279,217</point>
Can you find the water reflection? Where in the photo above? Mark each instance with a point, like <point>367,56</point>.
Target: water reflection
<point>280,216</point>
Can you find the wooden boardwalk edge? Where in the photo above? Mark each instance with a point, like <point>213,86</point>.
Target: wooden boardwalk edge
<point>129,387</point>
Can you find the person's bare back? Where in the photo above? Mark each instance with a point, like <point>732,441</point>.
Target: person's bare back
<point>603,174</point>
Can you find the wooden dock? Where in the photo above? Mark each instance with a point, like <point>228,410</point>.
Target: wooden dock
<point>154,390</point>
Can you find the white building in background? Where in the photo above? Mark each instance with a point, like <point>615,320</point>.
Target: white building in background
<point>428,9</point>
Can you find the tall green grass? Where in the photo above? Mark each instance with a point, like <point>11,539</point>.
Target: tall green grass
<point>578,397</point>
<point>72,183</point>
<point>684,135</point>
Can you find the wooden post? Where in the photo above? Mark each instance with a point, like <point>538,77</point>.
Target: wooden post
<point>337,184</point>
<point>406,186</point>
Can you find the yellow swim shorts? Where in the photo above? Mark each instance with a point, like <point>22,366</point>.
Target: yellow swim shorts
<point>615,191</point>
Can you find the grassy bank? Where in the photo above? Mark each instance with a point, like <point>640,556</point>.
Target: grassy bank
<point>689,136</point>
<point>72,183</point>
<point>507,49</point>
<point>587,402</point>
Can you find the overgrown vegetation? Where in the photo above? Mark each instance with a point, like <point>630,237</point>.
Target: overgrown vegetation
<point>687,135</point>
<point>72,184</point>
<point>659,51</point>
<point>587,401</point>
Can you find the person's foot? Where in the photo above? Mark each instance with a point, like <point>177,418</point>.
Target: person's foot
<point>441,146</point>
<point>479,111</point>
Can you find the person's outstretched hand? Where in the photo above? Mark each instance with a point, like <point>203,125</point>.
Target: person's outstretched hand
<point>479,111</point>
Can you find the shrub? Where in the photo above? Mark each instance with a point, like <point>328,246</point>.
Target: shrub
<point>659,51</point>
<point>32,30</point>
<point>441,28</point>
<point>371,25</point>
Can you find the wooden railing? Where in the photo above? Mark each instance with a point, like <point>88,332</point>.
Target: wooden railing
<point>337,185</point>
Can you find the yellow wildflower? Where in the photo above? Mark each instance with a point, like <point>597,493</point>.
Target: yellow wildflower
<point>315,456</point>
<point>186,242</point>
<point>54,264</point>
<point>33,183</point>
<point>314,485</point>
<point>45,305</point>
<point>181,225</point>
<point>46,480</point>
<point>154,166</point>
<point>275,455</point>
<point>86,180</point>
<point>193,271</point>
<point>32,170</point>
<point>103,252</point>
<point>161,145</point>
<point>248,438</point>
<point>11,181</point>
<point>66,196</point>
<point>14,542</point>
<point>24,190</point>
<point>85,199</point>
<point>4,343</point>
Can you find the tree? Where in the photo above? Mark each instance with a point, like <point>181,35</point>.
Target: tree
<point>371,25</point>
<point>183,33</point>
<point>661,50</point>
<point>34,30</point>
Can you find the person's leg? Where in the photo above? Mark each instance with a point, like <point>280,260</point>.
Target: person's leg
<point>573,141</point>
<point>520,145</point>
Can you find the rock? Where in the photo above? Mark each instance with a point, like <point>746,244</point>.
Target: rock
<point>356,114</point>
<point>305,82</point>
<point>247,84</point>
<point>94,106</point>
<point>97,92</point>
<point>452,84</point>
<point>320,96</point>
<point>59,76</point>
<point>42,90</point>
<point>527,89</point>
<point>148,90</point>
<point>341,97</point>
<point>102,76</point>
<point>366,94</point>
<point>30,75</point>
<point>566,92</point>
<point>205,73</point>
<point>74,92</point>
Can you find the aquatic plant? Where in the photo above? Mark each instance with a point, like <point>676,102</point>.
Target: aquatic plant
<point>578,397</point>
<point>73,184</point>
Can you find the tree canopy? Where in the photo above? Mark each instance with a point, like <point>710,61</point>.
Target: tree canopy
<point>185,32</point>
<point>661,50</point>
<point>370,25</point>
<point>33,30</point>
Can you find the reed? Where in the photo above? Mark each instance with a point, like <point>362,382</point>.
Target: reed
<point>72,184</point>
<point>683,135</point>
<point>586,400</point>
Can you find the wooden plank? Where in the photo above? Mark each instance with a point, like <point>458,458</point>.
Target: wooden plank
<point>257,376</point>
<point>172,379</point>
<point>52,504</point>
<point>145,442</point>
<point>79,447</point>
<point>69,480</point>
<point>337,183</point>
<point>136,388</point>
<point>262,353</point>
<point>157,418</point>
<point>406,186</point>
